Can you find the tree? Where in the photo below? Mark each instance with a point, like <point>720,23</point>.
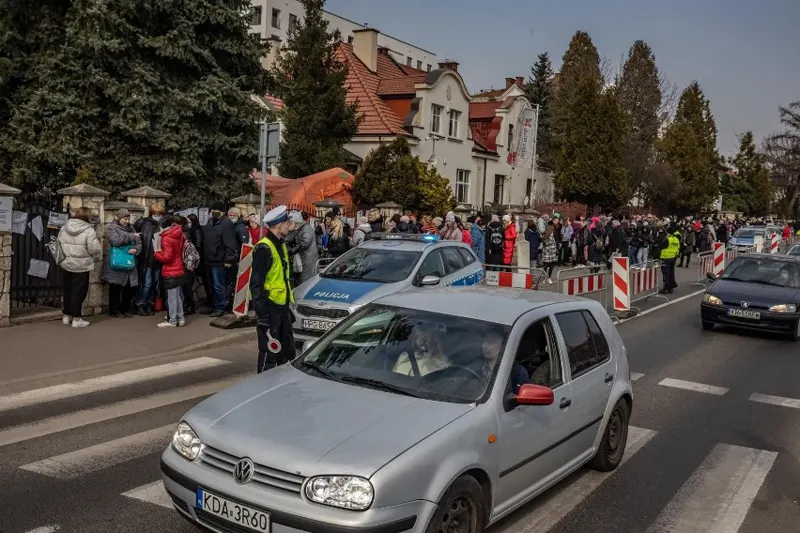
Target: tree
<point>689,147</point>
<point>752,173</point>
<point>539,90</point>
<point>639,91</point>
<point>782,152</point>
<point>317,120</point>
<point>434,194</point>
<point>160,96</point>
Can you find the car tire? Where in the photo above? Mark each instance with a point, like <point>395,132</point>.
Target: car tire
<point>615,437</point>
<point>708,326</point>
<point>462,501</point>
<point>795,336</point>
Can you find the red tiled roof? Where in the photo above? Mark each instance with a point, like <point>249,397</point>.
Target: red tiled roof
<point>477,137</point>
<point>388,67</point>
<point>399,86</point>
<point>274,101</point>
<point>491,93</point>
<point>483,110</point>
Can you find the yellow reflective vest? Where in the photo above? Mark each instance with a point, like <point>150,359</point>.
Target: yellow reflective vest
<point>673,248</point>
<point>276,282</point>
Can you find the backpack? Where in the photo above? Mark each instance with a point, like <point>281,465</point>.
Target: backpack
<point>191,259</point>
<point>496,238</point>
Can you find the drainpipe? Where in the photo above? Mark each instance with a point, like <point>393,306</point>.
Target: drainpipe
<point>483,194</point>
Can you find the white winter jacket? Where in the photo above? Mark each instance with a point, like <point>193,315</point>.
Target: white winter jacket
<point>81,246</point>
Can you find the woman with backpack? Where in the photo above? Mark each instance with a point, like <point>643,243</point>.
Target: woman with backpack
<point>170,255</point>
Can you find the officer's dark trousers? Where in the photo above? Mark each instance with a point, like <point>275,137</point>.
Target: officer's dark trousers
<point>279,326</point>
<point>668,273</point>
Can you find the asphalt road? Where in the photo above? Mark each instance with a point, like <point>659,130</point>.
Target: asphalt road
<point>703,455</point>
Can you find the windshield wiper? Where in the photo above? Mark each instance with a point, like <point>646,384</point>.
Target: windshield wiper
<point>378,385</point>
<point>314,366</point>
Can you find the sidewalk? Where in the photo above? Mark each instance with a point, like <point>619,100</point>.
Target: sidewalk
<point>49,347</point>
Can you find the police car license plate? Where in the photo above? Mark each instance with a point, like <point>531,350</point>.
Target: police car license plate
<point>319,325</point>
<point>238,514</point>
<point>744,313</point>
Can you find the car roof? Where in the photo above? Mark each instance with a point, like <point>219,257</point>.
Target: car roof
<point>480,302</point>
<point>777,257</point>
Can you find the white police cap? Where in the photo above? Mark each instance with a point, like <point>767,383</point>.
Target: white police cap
<point>276,215</point>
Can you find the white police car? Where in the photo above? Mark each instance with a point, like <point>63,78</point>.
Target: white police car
<point>385,264</point>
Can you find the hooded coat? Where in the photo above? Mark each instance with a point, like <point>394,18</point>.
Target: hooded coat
<point>82,248</point>
<point>171,254</point>
<point>119,235</point>
<point>360,234</point>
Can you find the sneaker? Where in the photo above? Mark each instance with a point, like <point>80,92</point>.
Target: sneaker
<point>166,325</point>
<point>66,320</point>
<point>79,323</point>
<point>181,323</point>
<point>217,313</point>
<point>549,281</point>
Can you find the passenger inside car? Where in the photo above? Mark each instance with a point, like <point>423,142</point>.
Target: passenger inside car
<point>426,352</point>
<point>534,355</point>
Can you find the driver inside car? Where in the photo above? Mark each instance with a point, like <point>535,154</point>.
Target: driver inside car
<point>427,352</point>
<point>490,355</point>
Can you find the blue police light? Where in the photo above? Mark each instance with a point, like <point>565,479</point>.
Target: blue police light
<point>430,237</point>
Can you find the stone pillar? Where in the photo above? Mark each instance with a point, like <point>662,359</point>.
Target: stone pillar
<point>6,202</point>
<point>247,204</point>
<point>94,199</point>
<point>145,197</point>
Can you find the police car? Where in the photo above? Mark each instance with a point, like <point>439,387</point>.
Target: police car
<point>385,264</point>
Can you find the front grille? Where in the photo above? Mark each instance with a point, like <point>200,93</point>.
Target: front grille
<point>336,314</point>
<point>750,308</point>
<point>220,524</point>
<point>264,475</point>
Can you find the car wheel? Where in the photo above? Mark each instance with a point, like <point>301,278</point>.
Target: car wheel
<point>461,509</point>
<point>615,437</point>
<point>708,326</point>
<point>796,334</point>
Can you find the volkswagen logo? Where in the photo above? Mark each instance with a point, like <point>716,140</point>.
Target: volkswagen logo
<point>745,305</point>
<point>243,471</point>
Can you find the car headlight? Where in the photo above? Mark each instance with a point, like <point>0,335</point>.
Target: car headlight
<point>186,442</point>
<point>783,308</point>
<point>347,492</point>
<point>711,299</point>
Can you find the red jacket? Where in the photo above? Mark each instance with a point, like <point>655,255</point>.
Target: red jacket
<point>171,254</point>
<point>510,243</point>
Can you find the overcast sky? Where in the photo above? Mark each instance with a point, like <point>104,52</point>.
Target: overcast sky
<point>744,53</point>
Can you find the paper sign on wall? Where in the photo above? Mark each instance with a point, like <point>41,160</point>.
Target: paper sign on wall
<point>5,213</point>
<point>38,269</point>
<point>18,221</point>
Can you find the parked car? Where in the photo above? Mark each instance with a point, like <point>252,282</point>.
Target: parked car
<point>439,410</point>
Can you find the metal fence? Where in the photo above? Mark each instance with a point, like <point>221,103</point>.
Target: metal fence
<point>584,281</point>
<point>643,281</point>
<point>519,277</point>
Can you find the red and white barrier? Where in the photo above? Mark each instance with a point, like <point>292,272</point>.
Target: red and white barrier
<point>644,280</point>
<point>241,298</point>
<point>621,283</point>
<point>719,258</point>
<point>582,285</point>
<point>774,240</point>
<point>510,279</point>
<point>633,283</point>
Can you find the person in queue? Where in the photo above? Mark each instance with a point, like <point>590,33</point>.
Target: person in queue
<point>271,292</point>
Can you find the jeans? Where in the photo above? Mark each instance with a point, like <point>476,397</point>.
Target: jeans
<point>633,255</point>
<point>147,287</point>
<point>175,305</point>
<point>642,258</point>
<point>219,280</point>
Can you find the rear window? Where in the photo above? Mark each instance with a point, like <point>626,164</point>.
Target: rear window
<point>382,266</point>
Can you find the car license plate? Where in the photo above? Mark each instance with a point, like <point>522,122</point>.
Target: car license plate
<point>232,512</point>
<point>744,313</point>
<point>319,325</point>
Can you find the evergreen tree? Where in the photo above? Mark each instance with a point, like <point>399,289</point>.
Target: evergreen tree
<point>539,90</point>
<point>160,96</point>
<point>317,120</point>
<point>434,193</point>
<point>689,147</point>
<point>389,173</point>
<point>751,171</point>
<point>639,94</point>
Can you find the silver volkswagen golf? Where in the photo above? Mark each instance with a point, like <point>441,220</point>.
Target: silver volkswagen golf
<point>442,410</point>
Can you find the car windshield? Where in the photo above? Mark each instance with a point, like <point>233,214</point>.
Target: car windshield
<point>366,264</point>
<point>747,233</point>
<point>794,250</point>
<point>411,352</point>
<point>765,271</point>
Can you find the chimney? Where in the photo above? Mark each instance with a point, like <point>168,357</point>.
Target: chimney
<point>383,50</point>
<point>449,64</point>
<point>365,47</point>
<point>509,82</point>
<point>520,82</point>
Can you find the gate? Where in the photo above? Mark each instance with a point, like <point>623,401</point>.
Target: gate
<point>30,286</point>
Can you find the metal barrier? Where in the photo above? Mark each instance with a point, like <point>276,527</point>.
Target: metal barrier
<point>712,261</point>
<point>643,281</point>
<point>514,276</point>
<point>733,253</point>
<point>590,280</point>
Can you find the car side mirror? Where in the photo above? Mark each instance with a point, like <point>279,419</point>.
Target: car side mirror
<point>711,276</point>
<point>308,344</point>
<point>529,394</point>
<point>429,281</point>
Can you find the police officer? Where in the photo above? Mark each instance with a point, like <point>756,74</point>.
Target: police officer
<point>669,256</point>
<point>271,292</point>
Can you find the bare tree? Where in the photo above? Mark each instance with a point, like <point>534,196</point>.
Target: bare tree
<point>670,94</point>
<point>782,150</point>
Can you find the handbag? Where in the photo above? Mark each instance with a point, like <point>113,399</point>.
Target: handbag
<point>121,259</point>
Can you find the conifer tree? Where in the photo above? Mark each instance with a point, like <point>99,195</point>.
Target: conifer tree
<point>539,90</point>
<point>751,170</point>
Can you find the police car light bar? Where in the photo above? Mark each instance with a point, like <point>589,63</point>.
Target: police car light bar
<point>428,237</point>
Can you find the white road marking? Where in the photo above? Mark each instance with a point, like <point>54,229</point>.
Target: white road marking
<point>78,388</point>
<point>78,419</point>
<point>635,376</point>
<point>46,529</point>
<point>151,493</point>
<point>555,504</point>
<point>718,495</point>
<point>692,386</point>
<point>661,306</point>
<point>101,456</point>
<point>775,400</point>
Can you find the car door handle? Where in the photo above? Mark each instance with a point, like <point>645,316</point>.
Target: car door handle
<point>609,378</point>
<point>565,402</point>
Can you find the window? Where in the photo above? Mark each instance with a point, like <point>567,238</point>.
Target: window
<point>431,266</point>
<point>499,182</point>
<point>255,15</point>
<point>462,186</point>
<point>429,68</point>
<point>601,348</point>
<point>529,187</point>
<point>579,341</point>
<point>364,264</point>
<point>350,39</point>
<point>419,65</point>
<point>293,21</point>
<point>276,18</point>
<point>466,256</point>
<point>538,355</point>
<point>510,137</point>
<point>452,260</point>
<point>436,118</point>
<point>408,61</point>
<point>455,116</point>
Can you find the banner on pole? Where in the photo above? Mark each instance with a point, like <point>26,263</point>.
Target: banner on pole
<point>523,143</point>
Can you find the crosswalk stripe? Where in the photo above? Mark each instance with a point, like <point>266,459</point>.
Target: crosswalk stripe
<point>775,400</point>
<point>78,419</point>
<point>718,495</point>
<point>46,529</point>
<point>151,493</point>
<point>692,386</point>
<point>101,456</point>
<point>557,503</point>
<point>78,388</point>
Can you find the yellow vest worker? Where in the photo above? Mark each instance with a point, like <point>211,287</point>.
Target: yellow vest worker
<point>669,256</point>
<point>271,292</point>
